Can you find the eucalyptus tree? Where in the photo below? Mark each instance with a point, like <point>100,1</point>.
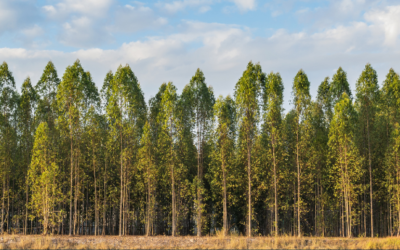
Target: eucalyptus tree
<point>167,117</point>
<point>322,115</point>
<point>301,99</point>
<point>315,169</point>
<point>201,99</point>
<point>390,102</point>
<point>186,175</point>
<point>225,116</point>
<point>146,159</point>
<point>162,179</point>
<point>93,133</point>
<point>367,98</point>
<point>70,96</point>
<point>272,105</point>
<point>392,160</point>
<point>247,92</point>
<point>126,112</point>
<point>339,85</point>
<point>324,98</point>
<point>42,172</point>
<point>346,159</point>
<point>391,97</point>
<point>105,95</point>
<point>288,170</point>
<point>26,124</point>
<point>46,88</point>
<point>89,139</point>
<point>8,106</point>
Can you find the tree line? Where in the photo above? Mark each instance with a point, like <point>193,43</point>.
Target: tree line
<point>76,160</point>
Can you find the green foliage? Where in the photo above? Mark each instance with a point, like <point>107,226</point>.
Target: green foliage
<point>367,86</point>
<point>324,98</point>
<point>339,85</point>
<point>79,161</point>
<point>247,93</point>
<point>347,162</point>
<point>43,180</point>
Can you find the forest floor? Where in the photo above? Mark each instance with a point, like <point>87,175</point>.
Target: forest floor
<point>189,242</point>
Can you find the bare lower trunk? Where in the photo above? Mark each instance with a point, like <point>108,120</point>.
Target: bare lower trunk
<point>225,211</point>
<point>120,201</point>
<point>199,177</point>
<point>148,204</point>
<point>26,210</point>
<point>390,216</point>
<point>173,202</point>
<point>364,212</point>
<point>71,189</point>
<point>172,180</point>
<point>294,207</point>
<point>2,207</point>
<point>347,196</point>
<point>370,179</point>
<point>96,211</point>
<point>103,232</point>
<point>249,182</point>
<point>275,191</point>
<point>398,197</point>
<point>298,185</point>
<point>76,201</point>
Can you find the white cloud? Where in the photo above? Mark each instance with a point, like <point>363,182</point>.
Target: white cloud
<point>204,9</point>
<point>222,52</point>
<point>90,8</point>
<point>33,32</point>
<point>130,19</point>
<point>205,5</point>
<point>388,20</point>
<point>16,15</point>
<point>176,6</point>
<point>80,23</point>
<point>85,24</point>
<point>33,37</point>
<point>335,13</point>
<point>83,32</point>
<point>50,10</point>
<point>245,5</point>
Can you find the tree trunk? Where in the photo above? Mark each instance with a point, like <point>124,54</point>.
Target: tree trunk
<point>398,195</point>
<point>346,198</point>
<point>370,178</point>
<point>96,211</point>
<point>76,200</point>
<point>173,201</point>
<point>148,202</point>
<point>173,186</point>
<point>275,190</point>
<point>26,210</point>
<point>103,232</point>
<point>249,180</point>
<point>2,207</point>
<point>225,210</point>
<point>121,202</point>
<point>199,176</point>
<point>298,183</point>
<point>71,188</point>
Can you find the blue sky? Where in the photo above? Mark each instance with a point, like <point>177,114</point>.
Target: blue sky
<point>168,40</point>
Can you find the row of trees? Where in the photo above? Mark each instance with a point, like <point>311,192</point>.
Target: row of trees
<point>78,161</point>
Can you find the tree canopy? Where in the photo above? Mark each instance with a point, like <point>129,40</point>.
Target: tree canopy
<point>79,161</point>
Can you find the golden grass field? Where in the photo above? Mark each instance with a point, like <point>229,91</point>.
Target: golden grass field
<point>189,242</point>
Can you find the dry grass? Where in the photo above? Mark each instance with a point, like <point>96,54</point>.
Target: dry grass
<point>213,242</point>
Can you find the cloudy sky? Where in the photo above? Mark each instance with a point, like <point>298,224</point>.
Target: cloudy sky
<point>168,40</point>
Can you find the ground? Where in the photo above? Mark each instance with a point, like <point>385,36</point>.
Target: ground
<point>189,242</point>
